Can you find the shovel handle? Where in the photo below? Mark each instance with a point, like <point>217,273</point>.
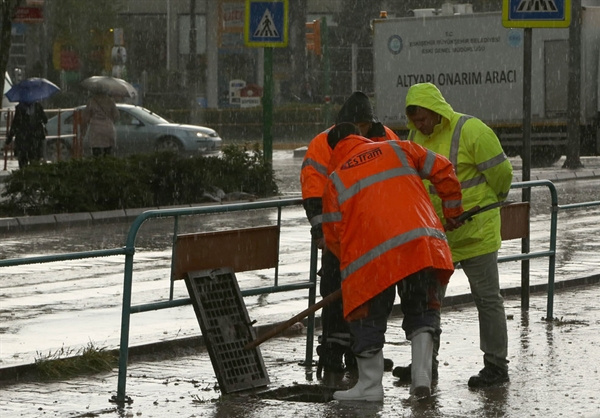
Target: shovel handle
<point>285,325</point>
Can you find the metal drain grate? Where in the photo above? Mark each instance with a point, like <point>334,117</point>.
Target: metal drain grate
<point>226,329</point>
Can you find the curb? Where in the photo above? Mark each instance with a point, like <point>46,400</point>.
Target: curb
<point>188,345</point>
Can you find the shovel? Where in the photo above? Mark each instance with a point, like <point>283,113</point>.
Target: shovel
<point>475,210</point>
<point>285,325</point>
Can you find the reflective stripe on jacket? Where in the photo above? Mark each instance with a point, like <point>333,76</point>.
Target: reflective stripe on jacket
<point>313,174</point>
<point>378,219</point>
<point>481,166</point>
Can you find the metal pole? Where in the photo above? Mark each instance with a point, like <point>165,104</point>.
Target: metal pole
<point>168,35</point>
<point>327,70</point>
<point>124,344</point>
<point>573,94</point>
<point>354,66</point>
<point>268,106</point>
<point>526,157</point>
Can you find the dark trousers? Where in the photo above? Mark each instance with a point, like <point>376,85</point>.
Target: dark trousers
<point>420,299</point>
<point>335,328</point>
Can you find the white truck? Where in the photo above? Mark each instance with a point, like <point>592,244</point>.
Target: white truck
<point>477,64</point>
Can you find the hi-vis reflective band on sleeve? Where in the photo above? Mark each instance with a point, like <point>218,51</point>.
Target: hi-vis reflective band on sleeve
<point>331,217</point>
<point>316,220</point>
<point>309,162</point>
<point>492,162</point>
<point>475,181</point>
<point>451,204</point>
<point>394,242</point>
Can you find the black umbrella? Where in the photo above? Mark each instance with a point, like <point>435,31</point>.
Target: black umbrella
<point>109,85</point>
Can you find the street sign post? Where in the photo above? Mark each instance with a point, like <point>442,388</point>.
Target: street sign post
<point>536,13</point>
<point>266,25</point>
<point>529,14</point>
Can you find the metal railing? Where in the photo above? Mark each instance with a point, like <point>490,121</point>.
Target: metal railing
<point>129,251</point>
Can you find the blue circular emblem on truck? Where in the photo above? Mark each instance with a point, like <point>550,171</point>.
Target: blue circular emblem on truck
<point>395,44</point>
<point>515,37</point>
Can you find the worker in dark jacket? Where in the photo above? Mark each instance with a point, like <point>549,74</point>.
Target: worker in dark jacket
<point>335,339</point>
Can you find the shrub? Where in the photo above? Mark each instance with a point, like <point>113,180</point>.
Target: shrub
<point>145,180</point>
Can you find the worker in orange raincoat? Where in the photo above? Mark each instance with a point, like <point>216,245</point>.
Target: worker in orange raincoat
<point>379,221</point>
<point>334,342</point>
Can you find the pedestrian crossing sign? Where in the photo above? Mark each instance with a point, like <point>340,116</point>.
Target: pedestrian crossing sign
<point>536,13</point>
<point>266,23</point>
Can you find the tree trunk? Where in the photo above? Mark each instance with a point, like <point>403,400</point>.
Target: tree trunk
<point>8,9</point>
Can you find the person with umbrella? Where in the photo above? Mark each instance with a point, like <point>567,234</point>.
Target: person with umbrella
<point>99,117</point>
<point>28,127</point>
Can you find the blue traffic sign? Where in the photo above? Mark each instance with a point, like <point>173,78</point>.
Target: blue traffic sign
<point>266,23</point>
<point>536,13</point>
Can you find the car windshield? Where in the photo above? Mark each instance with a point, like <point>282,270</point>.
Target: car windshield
<point>146,116</point>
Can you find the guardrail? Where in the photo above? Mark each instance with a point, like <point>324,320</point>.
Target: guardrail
<point>129,251</point>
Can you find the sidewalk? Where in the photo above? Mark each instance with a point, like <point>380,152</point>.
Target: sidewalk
<point>554,371</point>
<point>554,174</point>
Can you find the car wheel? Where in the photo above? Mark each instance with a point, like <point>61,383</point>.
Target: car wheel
<point>57,150</point>
<point>169,144</point>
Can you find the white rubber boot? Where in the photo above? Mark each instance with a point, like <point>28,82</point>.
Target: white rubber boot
<point>422,350</point>
<point>370,376</point>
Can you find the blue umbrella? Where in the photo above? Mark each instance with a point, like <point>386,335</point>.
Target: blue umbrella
<point>32,90</point>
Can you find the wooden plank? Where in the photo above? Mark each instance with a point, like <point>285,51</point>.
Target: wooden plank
<point>240,249</point>
<point>515,221</point>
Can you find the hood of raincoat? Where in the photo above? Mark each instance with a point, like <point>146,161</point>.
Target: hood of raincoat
<point>427,95</point>
<point>339,132</point>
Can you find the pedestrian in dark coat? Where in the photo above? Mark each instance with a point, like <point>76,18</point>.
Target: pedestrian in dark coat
<point>28,129</point>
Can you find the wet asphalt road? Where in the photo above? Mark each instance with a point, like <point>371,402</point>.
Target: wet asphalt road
<point>49,307</point>
<point>554,372</point>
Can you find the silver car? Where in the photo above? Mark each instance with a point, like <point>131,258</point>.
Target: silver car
<point>139,130</point>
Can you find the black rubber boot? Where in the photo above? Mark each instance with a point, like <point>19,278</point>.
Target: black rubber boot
<point>490,375</point>
<point>330,359</point>
<point>403,373</point>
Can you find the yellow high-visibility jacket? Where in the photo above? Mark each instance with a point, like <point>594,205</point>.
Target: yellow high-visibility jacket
<point>480,164</point>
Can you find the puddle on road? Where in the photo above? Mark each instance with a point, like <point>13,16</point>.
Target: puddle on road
<point>299,393</point>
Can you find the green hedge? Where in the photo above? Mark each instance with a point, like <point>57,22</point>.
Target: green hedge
<point>140,181</point>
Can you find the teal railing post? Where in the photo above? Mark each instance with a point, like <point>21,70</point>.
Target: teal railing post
<point>124,344</point>
<point>552,258</point>
<point>312,296</point>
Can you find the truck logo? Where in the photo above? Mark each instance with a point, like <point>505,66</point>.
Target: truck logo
<point>395,44</point>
